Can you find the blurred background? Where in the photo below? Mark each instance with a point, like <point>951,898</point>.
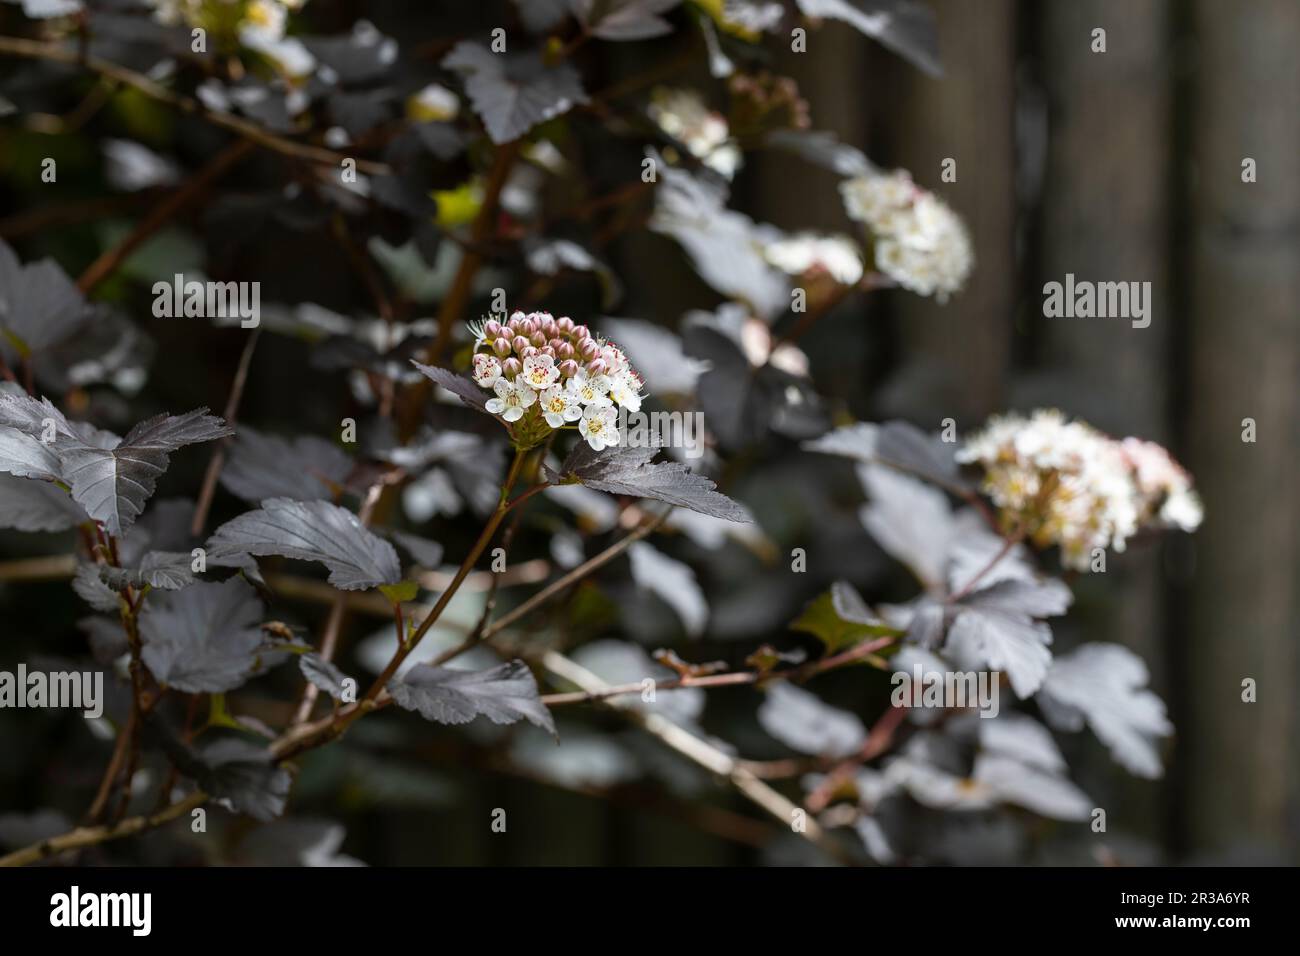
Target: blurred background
<point>1126,165</point>
<point>1116,166</point>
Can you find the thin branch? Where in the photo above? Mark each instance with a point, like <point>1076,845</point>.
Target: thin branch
<point>338,611</point>
<point>857,653</point>
<point>458,294</point>
<point>364,268</point>
<point>867,283</point>
<point>619,690</point>
<point>307,736</point>
<point>520,499</point>
<point>701,752</point>
<point>376,605</point>
<point>489,529</point>
<point>993,562</point>
<point>187,735</point>
<point>50,215</point>
<point>670,68</point>
<point>577,574</point>
<point>53,52</point>
<point>50,567</point>
<point>218,459</point>
<point>507,539</point>
<point>107,782</point>
<point>453,306</point>
<point>91,836</point>
<point>161,214</point>
<point>878,741</point>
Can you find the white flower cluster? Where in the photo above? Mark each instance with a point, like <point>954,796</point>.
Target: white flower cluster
<point>546,373</point>
<point>920,243</point>
<point>1165,485</point>
<point>258,24</point>
<point>806,252</point>
<point>683,115</point>
<point>1065,483</point>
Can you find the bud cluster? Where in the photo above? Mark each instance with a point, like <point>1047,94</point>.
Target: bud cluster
<point>764,101</point>
<point>548,373</point>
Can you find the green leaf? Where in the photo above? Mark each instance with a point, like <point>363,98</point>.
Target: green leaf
<point>401,591</point>
<point>822,621</point>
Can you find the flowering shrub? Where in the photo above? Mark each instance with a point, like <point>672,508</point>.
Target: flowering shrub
<point>448,459</point>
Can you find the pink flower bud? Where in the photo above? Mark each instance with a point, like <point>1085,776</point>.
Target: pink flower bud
<point>492,330</point>
<point>564,351</point>
<point>538,338</point>
<point>568,368</point>
<point>528,352</point>
<point>528,326</point>
<point>565,324</point>
<point>546,350</point>
<point>501,347</point>
<point>516,315</point>
<point>597,367</point>
<point>550,327</point>
<point>580,333</point>
<point>520,343</point>
<point>511,367</point>
<point>588,349</point>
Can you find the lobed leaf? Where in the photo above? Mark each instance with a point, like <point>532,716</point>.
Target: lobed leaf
<point>997,627</point>
<point>904,26</point>
<point>164,570</point>
<point>1103,685</point>
<point>264,466</point>
<point>628,471</point>
<point>27,505</point>
<point>318,531</point>
<point>445,695</point>
<point>203,639</point>
<point>839,619</point>
<point>460,386</point>
<point>323,674</point>
<point>801,721</point>
<point>512,93</point>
